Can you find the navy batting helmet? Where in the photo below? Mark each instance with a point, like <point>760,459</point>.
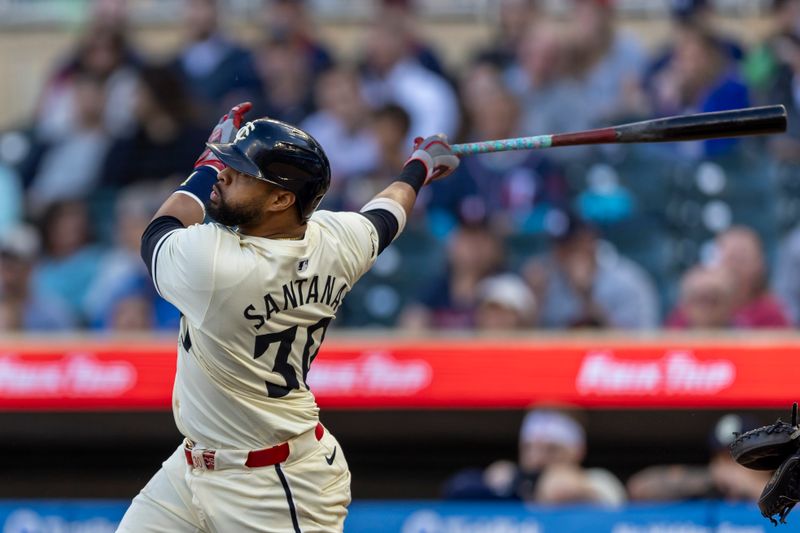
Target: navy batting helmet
<point>283,155</point>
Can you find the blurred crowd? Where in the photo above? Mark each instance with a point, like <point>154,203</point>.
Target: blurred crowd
<point>682,235</point>
<point>549,468</point>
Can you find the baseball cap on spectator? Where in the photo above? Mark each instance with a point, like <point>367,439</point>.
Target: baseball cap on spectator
<point>20,242</point>
<point>509,291</point>
<point>726,429</point>
<point>553,427</point>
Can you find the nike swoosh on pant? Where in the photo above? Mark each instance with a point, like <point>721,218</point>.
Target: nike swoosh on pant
<point>329,460</point>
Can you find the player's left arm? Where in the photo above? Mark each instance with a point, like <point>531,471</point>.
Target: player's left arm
<point>388,211</point>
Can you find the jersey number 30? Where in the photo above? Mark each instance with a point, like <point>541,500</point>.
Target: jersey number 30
<point>282,366</point>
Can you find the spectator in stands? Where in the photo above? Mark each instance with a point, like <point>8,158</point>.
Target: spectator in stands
<point>609,63</point>
<point>764,63</point>
<point>9,316</point>
<point>514,17</point>
<point>449,302</point>
<point>740,253</point>
<point>505,303</point>
<point>603,198</point>
<point>388,127</point>
<point>121,274</point>
<point>110,13</point>
<point>787,281</point>
<point>786,147</point>
<point>685,15</point>
<point>706,299</point>
<point>404,13</point>
<point>552,445</point>
<point>700,13</point>
<point>71,167</point>
<point>284,89</point>
<point>132,314</point>
<point>543,79</point>
<point>12,200</point>
<point>289,20</point>
<point>216,69</point>
<point>22,308</point>
<point>722,477</point>
<point>288,62</point>
<point>132,309</point>
<point>581,284</point>
<point>512,189</point>
<point>165,140</point>
<point>699,78</point>
<point>71,259</point>
<point>104,54</point>
<point>341,125</point>
<point>393,75</point>
<point>570,484</point>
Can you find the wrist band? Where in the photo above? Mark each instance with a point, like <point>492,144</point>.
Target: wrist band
<point>392,206</point>
<point>199,184</point>
<point>414,174</point>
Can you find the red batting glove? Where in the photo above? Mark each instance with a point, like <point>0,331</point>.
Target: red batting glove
<point>223,132</point>
<point>436,155</point>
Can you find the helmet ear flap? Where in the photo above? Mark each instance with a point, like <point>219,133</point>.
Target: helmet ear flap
<point>312,206</point>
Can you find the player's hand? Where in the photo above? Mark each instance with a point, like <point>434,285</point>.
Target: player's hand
<point>224,132</point>
<point>436,155</point>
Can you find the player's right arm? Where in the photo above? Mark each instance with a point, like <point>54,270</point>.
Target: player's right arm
<point>182,263</point>
<point>388,210</point>
<point>179,251</point>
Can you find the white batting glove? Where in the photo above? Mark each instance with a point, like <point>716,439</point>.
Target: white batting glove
<point>436,155</point>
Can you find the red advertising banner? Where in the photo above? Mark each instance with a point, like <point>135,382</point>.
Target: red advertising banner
<point>473,373</point>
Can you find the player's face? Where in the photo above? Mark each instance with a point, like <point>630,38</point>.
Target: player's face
<point>237,199</point>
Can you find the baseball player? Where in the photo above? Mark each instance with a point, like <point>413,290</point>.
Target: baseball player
<point>258,290</point>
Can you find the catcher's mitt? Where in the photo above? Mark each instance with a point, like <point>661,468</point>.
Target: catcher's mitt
<point>767,447</point>
<point>782,492</point>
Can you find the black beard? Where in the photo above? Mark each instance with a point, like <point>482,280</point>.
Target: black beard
<point>232,216</point>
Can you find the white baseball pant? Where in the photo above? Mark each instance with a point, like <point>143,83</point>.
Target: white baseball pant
<point>308,492</point>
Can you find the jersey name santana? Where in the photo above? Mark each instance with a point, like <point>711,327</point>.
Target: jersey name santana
<point>255,313</point>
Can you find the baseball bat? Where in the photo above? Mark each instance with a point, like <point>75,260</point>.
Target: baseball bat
<point>733,123</point>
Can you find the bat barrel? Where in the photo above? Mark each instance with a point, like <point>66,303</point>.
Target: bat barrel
<point>733,123</point>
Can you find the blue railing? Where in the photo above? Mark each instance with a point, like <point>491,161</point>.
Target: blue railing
<point>101,516</point>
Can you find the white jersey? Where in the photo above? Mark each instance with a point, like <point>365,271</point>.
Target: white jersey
<point>255,312</point>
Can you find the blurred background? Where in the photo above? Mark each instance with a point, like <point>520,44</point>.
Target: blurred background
<point>569,337</point>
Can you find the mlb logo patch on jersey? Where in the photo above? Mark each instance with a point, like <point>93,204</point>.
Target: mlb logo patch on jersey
<point>302,265</point>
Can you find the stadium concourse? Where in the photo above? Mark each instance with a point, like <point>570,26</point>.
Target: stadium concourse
<point>558,326</point>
